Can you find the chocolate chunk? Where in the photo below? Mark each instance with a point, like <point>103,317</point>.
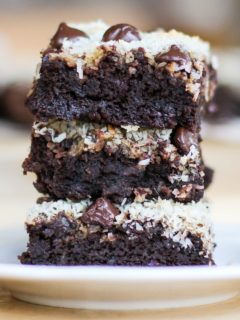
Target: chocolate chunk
<point>121,31</point>
<point>173,55</point>
<point>101,212</point>
<point>183,139</point>
<point>66,32</point>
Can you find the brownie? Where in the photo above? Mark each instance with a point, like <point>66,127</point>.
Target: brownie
<point>67,240</point>
<point>116,148</point>
<point>48,242</point>
<point>137,84</point>
<point>63,171</point>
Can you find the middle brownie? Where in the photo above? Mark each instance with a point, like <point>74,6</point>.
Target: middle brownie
<point>77,160</point>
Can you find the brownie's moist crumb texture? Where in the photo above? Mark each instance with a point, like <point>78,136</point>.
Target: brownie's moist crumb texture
<point>118,93</point>
<point>113,176</point>
<point>61,242</point>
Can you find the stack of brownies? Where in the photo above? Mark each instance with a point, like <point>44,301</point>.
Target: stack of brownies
<point>116,148</point>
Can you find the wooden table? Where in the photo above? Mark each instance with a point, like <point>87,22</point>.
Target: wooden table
<point>17,195</point>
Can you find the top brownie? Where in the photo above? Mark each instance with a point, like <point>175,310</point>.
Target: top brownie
<point>122,76</point>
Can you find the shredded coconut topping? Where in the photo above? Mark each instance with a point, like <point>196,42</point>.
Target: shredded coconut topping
<point>152,42</point>
<point>88,52</point>
<point>149,146</point>
<point>134,142</point>
<point>177,219</point>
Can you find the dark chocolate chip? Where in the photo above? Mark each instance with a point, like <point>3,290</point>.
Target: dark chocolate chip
<point>101,212</point>
<point>173,55</point>
<point>183,139</point>
<point>66,32</point>
<point>121,31</point>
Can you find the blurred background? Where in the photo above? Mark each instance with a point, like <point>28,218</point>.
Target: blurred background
<point>26,27</point>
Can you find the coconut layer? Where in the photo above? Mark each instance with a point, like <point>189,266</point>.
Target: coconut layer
<point>149,146</point>
<point>178,220</point>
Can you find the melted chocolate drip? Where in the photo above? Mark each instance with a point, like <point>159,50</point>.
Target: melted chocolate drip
<point>121,31</point>
<point>66,32</point>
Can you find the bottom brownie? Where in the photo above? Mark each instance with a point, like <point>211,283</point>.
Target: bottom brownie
<point>66,233</point>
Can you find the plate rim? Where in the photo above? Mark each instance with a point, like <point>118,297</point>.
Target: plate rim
<point>117,273</point>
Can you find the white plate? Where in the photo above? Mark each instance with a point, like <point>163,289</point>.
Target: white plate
<point>122,287</point>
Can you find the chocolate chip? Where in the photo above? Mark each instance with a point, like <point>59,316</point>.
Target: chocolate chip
<point>66,32</point>
<point>183,139</point>
<point>121,31</point>
<point>101,212</point>
<point>173,55</point>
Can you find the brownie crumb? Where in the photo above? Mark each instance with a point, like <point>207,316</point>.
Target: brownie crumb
<point>61,242</point>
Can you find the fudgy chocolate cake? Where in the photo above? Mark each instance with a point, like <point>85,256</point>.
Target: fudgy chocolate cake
<point>122,161</point>
<point>122,76</point>
<point>116,148</point>
<point>154,232</point>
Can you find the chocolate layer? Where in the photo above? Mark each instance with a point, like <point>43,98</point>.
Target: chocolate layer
<point>109,174</point>
<point>60,241</point>
<point>121,92</point>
